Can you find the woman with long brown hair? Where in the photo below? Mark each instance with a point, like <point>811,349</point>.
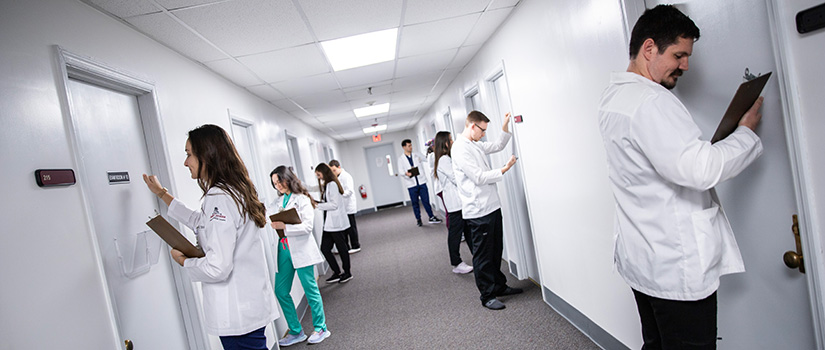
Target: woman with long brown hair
<point>297,252</point>
<point>336,223</point>
<point>443,173</point>
<point>238,300</point>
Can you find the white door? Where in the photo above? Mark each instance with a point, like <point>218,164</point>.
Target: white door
<point>518,232</point>
<point>110,139</point>
<point>381,169</point>
<point>767,307</point>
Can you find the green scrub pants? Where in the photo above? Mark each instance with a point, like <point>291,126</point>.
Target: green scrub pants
<point>283,285</point>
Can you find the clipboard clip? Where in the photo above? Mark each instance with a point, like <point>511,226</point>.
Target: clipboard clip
<point>156,214</point>
<point>748,76</point>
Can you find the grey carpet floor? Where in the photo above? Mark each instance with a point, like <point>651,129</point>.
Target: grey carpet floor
<point>405,296</point>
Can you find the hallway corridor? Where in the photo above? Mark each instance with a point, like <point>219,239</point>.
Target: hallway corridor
<point>405,296</point>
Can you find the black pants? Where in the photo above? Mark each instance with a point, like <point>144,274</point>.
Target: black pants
<point>340,240</point>
<point>456,227</point>
<point>352,233</point>
<point>675,324</point>
<point>486,233</point>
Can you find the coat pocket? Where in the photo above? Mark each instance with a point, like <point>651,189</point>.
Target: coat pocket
<point>708,238</point>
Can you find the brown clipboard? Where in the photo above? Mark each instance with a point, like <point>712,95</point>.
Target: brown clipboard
<point>745,96</point>
<point>414,171</point>
<point>289,217</point>
<point>173,237</point>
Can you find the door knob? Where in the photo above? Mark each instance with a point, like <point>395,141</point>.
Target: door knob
<point>794,259</point>
<point>129,345</point>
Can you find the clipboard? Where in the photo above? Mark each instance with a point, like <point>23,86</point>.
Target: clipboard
<point>745,96</point>
<point>289,217</point>
<point>414,171</point>
<point>172,237</point>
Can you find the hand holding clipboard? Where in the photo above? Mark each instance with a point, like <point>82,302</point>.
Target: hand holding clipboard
<point>743,109</point>
<point>288,217</point>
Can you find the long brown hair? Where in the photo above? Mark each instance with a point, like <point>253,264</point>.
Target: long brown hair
<point>442,147</point>
<point>290,181</point>
<point>328,176</point>
<point>219,165</point>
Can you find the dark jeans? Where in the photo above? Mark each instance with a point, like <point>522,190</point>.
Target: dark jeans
<point>352,233</point>
<point>420,191</point>
<point>456,227</point>
<point>255,340</point>
<point>340,240</point>
<point>486,233</point>
<point>676,324</point>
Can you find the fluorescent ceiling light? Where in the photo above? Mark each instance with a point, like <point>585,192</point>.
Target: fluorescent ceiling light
<point>372,110</point>
<point>361,50</point>
<point>376,128</point>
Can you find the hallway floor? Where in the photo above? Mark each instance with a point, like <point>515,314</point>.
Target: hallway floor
<point>405,296</point>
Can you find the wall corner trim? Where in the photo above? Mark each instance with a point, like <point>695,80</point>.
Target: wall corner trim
<point>597,334</point>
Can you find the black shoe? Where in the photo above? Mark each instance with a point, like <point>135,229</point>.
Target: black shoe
<point>345,277</point>
<point>334,278</point>
<point>494,304</point>
<point>510,291</point>
<point>419,223</point>
<point>435,220</point>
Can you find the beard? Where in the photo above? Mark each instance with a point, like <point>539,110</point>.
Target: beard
<point>670,84</point>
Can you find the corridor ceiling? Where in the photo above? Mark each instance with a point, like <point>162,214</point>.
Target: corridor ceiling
<point>272,48</point>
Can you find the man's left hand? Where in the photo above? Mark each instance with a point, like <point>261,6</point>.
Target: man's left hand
<point>506,125</point>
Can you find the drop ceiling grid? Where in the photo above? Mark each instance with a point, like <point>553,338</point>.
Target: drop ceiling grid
<point>287,64</point>
<point>166,30</point>
<point>435,36</point>
<point>338,19</point>
<point>419,11</point>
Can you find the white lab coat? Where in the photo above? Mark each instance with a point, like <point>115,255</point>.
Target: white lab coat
<point>349,191</point>
<point>672,238</point>
<point>436,184</point>
<point>446,180</point>
<point>337,219</point>
<point>475,178</point>
<point>302,245</point>
<point>403,166</point>
<point>237,294</point>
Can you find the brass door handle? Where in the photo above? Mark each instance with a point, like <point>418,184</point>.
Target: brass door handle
<point>129,345</point>
<point>794,259</point>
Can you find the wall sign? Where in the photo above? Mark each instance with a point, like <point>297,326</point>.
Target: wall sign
<point>54,177</point>
<point>118,177</point>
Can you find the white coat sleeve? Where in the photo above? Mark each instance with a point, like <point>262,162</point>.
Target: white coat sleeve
<point>184,215</point>
<point>346,183</point>
<point>668,136</point>
<point>218,243</point>
<point>445,170</point>
<point>493,147</point>
<point>469,166</point>
<point>331,196</point>
<point>307,214</point>
<point>402,166</point>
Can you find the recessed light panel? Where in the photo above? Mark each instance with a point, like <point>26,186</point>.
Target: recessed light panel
<point>361,50</point>
<point>376,128</point>
<point>372,110</point>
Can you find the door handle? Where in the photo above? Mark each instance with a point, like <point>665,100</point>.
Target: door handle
<point>129,345</point>
<point>793,259</point>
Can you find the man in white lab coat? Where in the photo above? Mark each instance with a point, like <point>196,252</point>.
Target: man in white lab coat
<point>672,238</point>
<point>349,199</point>
<point>480,205</point>
<point>416,183</point>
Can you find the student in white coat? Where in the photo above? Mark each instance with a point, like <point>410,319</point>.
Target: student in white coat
<point>238,301</point>
<point>336,223</point>
<point>416,184</point>
<point>297,252</point>
<point>672,238</point>
<point>443,174</point>
<point>349,197</point>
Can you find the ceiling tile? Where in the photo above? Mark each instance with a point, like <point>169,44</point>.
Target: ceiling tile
<point>435,36</point>
<point>287,64</point>
<point>307,85</point>
<point>246,27</point>
<point>332,108</point>
<point>286,105</point>
<point>430,10</point>
<point>124,8</point>
<point>465,54</point>
<point>363,92</point>
<point>266,92</point>
<point>166,30</point>
<point>487,25</point>
<point>338,19</point>
<point>235,72</point>
<point>338,116</point>
<point>502,3</point>
<point>428,63</point>
<point>417,81</point>
<point>366,75</point>
<point>178,4</point>
<point>321,99</point>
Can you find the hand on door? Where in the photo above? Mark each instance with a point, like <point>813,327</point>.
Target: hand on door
<point>509,165</point>
<point>506,126</point>
<point>154,185</point>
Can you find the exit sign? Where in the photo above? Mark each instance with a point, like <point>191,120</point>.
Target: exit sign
<point>376,138</point>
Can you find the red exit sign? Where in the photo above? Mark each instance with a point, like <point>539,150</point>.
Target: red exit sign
<point>376,138</point>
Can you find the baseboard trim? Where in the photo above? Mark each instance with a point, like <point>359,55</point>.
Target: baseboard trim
<point>597,334</point>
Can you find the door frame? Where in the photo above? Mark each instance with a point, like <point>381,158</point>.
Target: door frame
<point>89,70</point>
<point>394,170</point>
<point>808,227</point>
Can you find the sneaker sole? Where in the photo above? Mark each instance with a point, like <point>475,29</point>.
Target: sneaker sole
<point>293,343</point>
<point>346,280</point>
<point>333,281</point>
<point>322,339</point>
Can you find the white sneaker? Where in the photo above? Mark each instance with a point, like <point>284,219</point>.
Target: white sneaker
<point>319,336</point>
<point>292,339</point>
<point>462,268</point>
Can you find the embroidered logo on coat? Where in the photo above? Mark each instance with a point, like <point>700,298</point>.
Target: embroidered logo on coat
<point>216,215</point>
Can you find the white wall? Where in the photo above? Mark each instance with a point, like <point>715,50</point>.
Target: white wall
<point>52,290</point>
<point>557,57</point>
<point>352,159</point>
